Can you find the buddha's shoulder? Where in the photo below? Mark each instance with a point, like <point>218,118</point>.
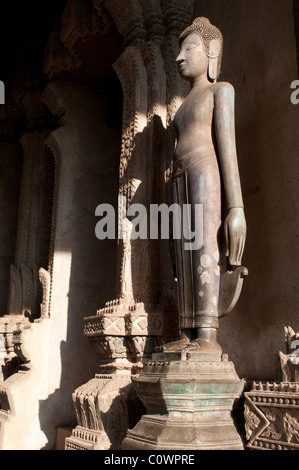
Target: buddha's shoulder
<point>221,88</point>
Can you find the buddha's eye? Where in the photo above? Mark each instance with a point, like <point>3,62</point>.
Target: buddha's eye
<point>191,47</point>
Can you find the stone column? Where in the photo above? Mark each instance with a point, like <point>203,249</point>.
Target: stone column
<point>11,168</point>
<point>34,227</point>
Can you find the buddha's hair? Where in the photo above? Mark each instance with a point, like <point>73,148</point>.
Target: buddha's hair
<point>208,32</point>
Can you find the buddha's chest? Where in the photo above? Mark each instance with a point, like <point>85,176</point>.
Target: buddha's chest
<point>195,111</point>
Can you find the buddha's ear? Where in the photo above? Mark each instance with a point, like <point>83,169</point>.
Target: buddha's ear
<point>214,48</point>
<point>214,51</point>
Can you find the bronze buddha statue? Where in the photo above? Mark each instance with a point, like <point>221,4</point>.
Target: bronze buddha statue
<point>205,172</point>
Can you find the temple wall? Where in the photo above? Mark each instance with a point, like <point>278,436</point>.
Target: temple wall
<point>260,61</point>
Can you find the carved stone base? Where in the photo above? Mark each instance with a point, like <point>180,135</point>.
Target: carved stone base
<point>12,357</point>
<point>86,439</point>
<point>106,407</point>
<point>272,416</point>
<point>189,404</point>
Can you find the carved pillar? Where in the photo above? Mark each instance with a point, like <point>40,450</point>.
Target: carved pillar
<point>11,276</point>
<point>34,228</point>
<point>28,297</point>
<point>152,92</point>
<point>125,331</point>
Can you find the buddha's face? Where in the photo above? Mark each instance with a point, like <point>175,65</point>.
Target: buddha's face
<point>192,60</point>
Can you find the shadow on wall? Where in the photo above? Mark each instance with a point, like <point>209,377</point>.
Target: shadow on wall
<point>123,413</point>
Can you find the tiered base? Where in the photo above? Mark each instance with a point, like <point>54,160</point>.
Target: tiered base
<point>188,402</point>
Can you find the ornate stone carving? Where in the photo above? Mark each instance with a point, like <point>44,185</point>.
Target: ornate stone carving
<point>45,280</point>
<point>104,412</point>
<point>153,19</point>
<point>128,16</point>
<point>289,362</point>
<point>139,21</point>
<point>11,328</point>
<point>272,409</point>
<point>128,331</point>
<point>272,416</point>
<point>79,20</point>
<point>177,15</point>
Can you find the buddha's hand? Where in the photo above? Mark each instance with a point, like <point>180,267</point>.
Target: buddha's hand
<point>235,235</point>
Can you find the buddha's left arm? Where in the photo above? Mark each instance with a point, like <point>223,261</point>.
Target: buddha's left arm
<point>226,141</point>
<point>235,223</point>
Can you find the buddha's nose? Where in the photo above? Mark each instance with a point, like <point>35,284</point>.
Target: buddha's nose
<point>180,58</point>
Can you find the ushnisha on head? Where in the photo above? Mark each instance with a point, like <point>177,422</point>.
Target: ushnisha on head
<point>212,41</point>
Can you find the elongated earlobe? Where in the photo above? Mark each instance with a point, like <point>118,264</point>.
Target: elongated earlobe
<point>214,51</point>
<point>213,69</point>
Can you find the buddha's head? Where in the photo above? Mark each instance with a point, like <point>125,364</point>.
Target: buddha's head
<point>201,47</point>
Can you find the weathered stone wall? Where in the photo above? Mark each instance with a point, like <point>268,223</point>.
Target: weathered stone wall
<point>260,61</point>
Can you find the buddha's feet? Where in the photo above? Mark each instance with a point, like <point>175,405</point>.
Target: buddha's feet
<point>174,346</point>
<point>206,342</point>
<point>202,346</point>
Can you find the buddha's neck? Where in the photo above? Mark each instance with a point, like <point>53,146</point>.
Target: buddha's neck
<point>200,82</point>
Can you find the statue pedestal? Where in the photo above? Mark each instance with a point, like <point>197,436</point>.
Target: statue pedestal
<point>189,403</point>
